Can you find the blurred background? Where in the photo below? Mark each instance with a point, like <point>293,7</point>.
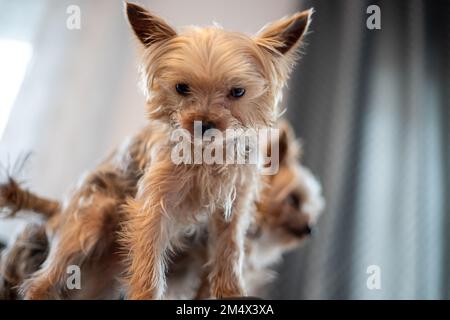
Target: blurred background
<point>372,107</point>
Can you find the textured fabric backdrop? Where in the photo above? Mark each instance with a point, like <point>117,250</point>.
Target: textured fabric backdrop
<point>373,108</point>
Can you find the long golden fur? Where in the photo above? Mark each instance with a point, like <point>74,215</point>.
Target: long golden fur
<point>287,211</point>
<point>165,201</point>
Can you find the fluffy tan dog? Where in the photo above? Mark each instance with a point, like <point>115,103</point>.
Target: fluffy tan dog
<point>225,80</point>
<point>287,211</point>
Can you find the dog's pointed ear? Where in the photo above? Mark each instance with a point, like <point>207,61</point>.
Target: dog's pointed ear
<point>148,28</point>
<point>285,35</point>
<point>288,147</point>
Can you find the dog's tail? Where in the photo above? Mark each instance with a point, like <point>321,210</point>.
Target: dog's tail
<point>15,198</point>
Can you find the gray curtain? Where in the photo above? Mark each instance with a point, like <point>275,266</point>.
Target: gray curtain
<point>373,109</point>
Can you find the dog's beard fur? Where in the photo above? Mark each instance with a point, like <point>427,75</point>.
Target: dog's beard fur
<point>166,200</point>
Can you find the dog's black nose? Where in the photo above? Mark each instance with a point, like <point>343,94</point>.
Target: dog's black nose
<point>206,126</point>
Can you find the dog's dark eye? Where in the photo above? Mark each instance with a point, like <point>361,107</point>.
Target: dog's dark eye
<point>293,200</point>
<point>237,92</point>
<point>182,88</point>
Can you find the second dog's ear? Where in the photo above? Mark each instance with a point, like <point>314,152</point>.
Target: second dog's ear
<point>285,35</point>
<point>289,147</point>
<point>149,28</point>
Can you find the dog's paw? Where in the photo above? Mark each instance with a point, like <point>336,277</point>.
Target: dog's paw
<point>222,288</point>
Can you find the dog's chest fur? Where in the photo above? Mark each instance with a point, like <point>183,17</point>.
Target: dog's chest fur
<point>197,188</point>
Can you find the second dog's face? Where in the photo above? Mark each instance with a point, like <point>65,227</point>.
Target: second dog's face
<point>223,79</point>
<point>292,201</point>
<point>296,203</point>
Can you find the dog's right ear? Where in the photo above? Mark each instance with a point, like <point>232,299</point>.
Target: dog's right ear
<point>148,28</point>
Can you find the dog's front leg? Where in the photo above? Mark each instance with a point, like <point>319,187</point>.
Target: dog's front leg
<point>148,233</point>
<point>227,249</point>
<point>147,257</point>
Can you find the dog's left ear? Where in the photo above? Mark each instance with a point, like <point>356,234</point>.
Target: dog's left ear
<point>285,35</point>
<point>148,28</point>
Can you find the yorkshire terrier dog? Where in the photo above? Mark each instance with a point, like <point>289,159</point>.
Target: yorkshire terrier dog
<point>285,215</point>
<point>224,80</point>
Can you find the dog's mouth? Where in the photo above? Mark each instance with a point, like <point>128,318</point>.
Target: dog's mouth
<point>209,132</point>
<point>300,232</point>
